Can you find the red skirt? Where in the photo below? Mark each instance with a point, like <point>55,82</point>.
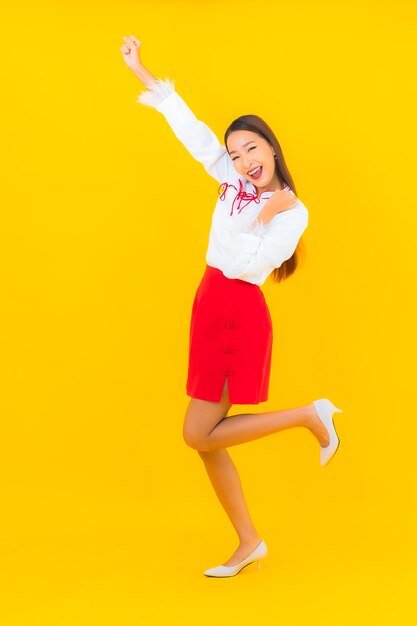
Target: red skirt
<point>230,338</point>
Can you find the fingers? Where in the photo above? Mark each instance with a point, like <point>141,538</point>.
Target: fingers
<point>135,40</point>
<point>130,42</point>
<point>289,202</point>
<point>283,200</point>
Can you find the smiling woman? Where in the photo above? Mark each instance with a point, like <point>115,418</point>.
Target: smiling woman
<point>257,155</point>
<point>256,227</point>
<point>258,151</point>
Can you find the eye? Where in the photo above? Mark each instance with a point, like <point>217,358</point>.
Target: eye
<point>251,148</point>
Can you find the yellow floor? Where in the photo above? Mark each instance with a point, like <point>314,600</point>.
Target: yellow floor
<point>96,578</point>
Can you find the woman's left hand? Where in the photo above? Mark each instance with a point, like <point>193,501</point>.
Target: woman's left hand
<point>279,201</point>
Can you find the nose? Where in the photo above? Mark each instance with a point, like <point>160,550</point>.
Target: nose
<point>247,164</point>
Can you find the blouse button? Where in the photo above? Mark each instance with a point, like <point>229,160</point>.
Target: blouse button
<point>231,325</point>
<point>226,371</point>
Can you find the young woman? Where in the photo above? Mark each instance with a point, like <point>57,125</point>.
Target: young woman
<point>256,227</point>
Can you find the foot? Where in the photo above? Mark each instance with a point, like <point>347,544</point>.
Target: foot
<point>243,551</point>
<point>317,427</point>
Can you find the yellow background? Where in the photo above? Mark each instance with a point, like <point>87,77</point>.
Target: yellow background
<point>108,517</point>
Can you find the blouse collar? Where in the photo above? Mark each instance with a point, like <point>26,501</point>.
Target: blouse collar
<point>242,195</point>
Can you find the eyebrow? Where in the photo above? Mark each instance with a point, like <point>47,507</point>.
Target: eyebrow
<point>243,145</point>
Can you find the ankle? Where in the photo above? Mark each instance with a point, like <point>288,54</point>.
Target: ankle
<point>249,539</point>
<point>311,417</point>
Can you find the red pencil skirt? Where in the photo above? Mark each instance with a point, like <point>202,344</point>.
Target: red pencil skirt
<point>230,338</point>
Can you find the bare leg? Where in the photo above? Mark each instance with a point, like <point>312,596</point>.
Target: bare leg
<point>202,421</point>
<point>236,429</point>
<point>222,473</point>
<point>227,485</point>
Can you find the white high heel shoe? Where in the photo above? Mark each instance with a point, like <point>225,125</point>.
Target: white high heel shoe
<point>223,571</point>
<point>325,410</point>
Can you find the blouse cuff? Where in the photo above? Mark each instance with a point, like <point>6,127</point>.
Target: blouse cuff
<point>257,228</point>
<point>156,92</point>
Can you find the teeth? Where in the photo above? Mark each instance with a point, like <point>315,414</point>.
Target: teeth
<point>255,171</point>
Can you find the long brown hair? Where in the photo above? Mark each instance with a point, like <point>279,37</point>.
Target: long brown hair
<point>257,125</point>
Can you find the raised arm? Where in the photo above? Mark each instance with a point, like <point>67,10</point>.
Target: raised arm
<point>131,55</point>
<point>195,135</point>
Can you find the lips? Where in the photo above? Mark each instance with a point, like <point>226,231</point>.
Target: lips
<point>256,172</point>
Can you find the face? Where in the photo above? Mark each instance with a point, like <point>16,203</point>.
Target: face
<point>250,151</point>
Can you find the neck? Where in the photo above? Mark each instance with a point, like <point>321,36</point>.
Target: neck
<point>272,187</point>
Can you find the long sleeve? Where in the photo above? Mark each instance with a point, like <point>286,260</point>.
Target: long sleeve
<point>195,135</point>
<point>255,254</point>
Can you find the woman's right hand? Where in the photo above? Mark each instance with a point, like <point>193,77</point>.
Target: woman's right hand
<point>130,51</point>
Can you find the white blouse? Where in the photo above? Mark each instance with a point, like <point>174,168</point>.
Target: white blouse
<point>238,245</point>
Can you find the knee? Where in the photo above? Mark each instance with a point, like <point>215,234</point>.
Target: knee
<point>194,439</point>
<point>191,438</point>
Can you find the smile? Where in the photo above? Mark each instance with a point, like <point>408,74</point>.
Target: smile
<point>256,173</point>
